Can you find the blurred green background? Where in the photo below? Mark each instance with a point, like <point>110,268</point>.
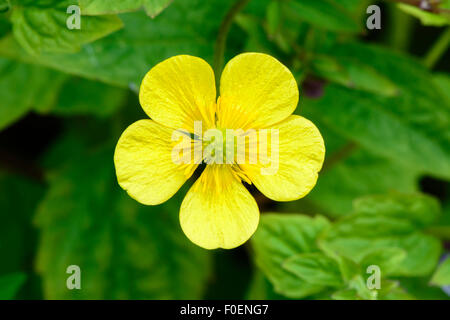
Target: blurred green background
<point>381,99</point>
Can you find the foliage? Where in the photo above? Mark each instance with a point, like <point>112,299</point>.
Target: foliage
<point>382,197</point>
<point>295,251</point>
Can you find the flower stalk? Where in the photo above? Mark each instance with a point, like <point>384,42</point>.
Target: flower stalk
<point>438,49</point>
<point>219,49</point>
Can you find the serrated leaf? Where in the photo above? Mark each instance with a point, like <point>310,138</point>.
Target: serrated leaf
<point>370,227</point>
<point>279,237</point>
<point>387,259</point>
<point>43,27</point>
<point>10,285</point>
<point>412,128</point>
<point>96,7</point>
<point>420,209</point>
<point>386,223</point>
<point>315,268</point>
<point>124,57</point>
<point>23,86</point>
<point>124,250</point>
<point>422,251</point>
<point>441,276</point>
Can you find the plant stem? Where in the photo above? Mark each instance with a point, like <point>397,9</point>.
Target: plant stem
<point>402,24</point>
<point>219,50</point>
<point>438,49</point>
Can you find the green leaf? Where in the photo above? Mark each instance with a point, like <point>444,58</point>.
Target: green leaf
<point>49,92</point>
<point>369,122</point>
<point>420,209</point>
<point>124,57</point>
<point>4,5</point>
<point>356,7</point>
<point>5,25</point>
<point>315,268</point>
<point>360,174</point>
<point>355,173</point>
<point>348,268</point>
<point>425,17</point>
<point>442,81</point>
<point>370,226</point>
<point>422,251</point>
<point>124,250</point>
<point>10,285</point>
<point>81,96</point>
<point>387,259</point>
<point>324,14</point>
<point>345,294</point>
<point>357,290</point>
<point>391,290</point>
<point>387,223</point>
<point>14,76</point>
<point>279,237</point>
<point>353,74</point>
<point>441,276</point>
<point>42,27</point>
<point>95,7</point>
<point>23,86</point>
<point>359,284</point>
<point>421,289</point>
<point>412,128</point>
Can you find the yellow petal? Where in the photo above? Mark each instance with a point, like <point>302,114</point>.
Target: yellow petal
<point>179,91</point>
<point>144,165</point>
<point>301,154</point>
<point>218,211</point>
<point>256,91</point>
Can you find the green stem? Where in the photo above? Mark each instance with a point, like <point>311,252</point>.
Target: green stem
<point>438,49</point>
<point>402,24</point>
<point>221,40</point>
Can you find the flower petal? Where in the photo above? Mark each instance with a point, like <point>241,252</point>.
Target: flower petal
<point>144,165</point>
<point>301,154</point>
<point>178,91</point>
<point>256,91</point>
<point>218,211</point>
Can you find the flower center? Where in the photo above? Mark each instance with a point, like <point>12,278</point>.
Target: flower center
<point>220,146</point>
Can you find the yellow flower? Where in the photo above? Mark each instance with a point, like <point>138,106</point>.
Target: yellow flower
<point>256,92</point>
